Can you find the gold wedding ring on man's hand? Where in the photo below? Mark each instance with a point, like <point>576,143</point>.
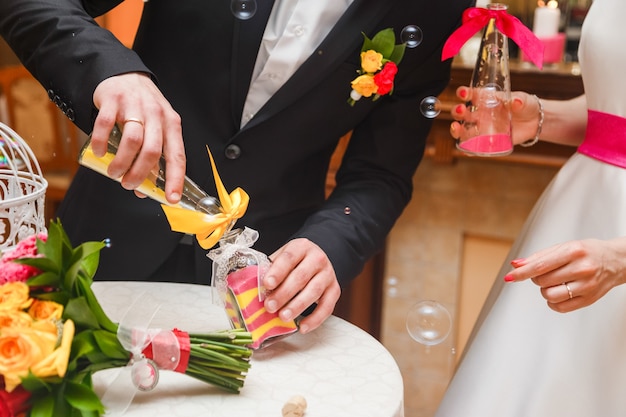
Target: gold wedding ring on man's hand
<point>133,119</point>
<point>569,290</point>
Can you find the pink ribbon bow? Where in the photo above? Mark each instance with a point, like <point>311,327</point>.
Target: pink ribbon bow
<point>476,18</point>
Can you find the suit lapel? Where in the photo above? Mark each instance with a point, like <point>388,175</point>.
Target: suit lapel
<point>361,16</point>
<point>246,40</point>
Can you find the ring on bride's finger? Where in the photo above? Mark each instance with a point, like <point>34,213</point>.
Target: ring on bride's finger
<point>569,290</point>
<point>133,119</point>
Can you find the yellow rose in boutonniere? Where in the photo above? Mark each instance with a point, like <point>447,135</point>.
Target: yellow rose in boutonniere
<point>371,61</point>
<point>364,85</point>
<point>380,57</point>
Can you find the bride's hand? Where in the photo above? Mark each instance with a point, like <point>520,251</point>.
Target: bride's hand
<point>574,274</point>
<point>524,112</point>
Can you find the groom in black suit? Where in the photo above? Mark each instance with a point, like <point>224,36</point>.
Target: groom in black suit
<point>205,62</point>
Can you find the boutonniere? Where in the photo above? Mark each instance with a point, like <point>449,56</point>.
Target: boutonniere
<point>380,57</point>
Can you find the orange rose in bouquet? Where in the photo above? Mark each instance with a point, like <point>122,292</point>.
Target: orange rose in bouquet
<point>28,341</point>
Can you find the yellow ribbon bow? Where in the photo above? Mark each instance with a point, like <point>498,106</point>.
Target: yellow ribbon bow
<point>209,228</point>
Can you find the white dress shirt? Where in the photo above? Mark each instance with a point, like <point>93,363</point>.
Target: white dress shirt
<point>294,29</point>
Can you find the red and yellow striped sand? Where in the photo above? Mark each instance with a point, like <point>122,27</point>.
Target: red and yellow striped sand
<point>243,304</point>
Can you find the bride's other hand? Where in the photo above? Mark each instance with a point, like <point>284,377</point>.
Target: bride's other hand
<point>574,274</point>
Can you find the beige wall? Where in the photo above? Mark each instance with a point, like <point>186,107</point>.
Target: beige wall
<point>481,259</point>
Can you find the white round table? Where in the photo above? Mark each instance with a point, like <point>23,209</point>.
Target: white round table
<point>339,369</point>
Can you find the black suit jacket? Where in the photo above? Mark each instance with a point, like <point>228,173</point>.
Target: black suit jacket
<point>202,57</point>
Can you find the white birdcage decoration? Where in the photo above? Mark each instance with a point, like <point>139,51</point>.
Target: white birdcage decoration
<point>22,190</point>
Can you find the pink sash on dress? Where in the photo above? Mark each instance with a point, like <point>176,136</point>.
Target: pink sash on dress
<point>605,139</point>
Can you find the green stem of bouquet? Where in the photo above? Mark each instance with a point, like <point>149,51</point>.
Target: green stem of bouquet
<point>220,358</point>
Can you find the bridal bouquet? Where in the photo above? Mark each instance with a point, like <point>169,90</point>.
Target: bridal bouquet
<point>54,334</point>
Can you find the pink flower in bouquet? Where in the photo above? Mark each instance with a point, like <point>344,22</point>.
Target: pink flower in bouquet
<point>13,272</point>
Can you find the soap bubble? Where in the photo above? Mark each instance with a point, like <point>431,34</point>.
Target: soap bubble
<point>243,9</point>
<point>428,322</point>
<point>430,107</point>
<point>411,35</point>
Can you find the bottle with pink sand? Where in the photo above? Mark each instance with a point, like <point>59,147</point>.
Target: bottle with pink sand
<point>486,131</point>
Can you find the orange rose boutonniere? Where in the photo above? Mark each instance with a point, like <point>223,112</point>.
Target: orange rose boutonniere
<point>380,57</point>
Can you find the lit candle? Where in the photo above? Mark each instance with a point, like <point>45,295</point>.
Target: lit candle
<point>547,19</point>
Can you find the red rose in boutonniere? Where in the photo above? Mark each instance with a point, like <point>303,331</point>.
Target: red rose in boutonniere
<point>384,79</point>
<point>380,57</point>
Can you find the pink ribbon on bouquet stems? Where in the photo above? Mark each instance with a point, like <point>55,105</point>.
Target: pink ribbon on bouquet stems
<point>476,18</point>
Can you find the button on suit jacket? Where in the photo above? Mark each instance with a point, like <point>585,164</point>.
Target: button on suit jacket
<point>202,58</point>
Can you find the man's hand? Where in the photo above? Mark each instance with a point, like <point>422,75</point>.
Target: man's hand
<point>150,127</point>
<point>301,275</point>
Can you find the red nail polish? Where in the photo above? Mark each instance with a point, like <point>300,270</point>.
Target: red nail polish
<point>509,278</point>
<point>463,93</point>
<point>518,262</point>
<point>458,109</point>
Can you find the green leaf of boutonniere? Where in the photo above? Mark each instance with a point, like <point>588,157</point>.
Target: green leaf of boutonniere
<point>398,53</point>
<point>384,42</point>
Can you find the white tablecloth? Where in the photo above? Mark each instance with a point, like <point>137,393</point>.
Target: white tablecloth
<point>339,369</point>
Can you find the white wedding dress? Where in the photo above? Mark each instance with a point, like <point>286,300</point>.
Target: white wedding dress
<point>524,359</point>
